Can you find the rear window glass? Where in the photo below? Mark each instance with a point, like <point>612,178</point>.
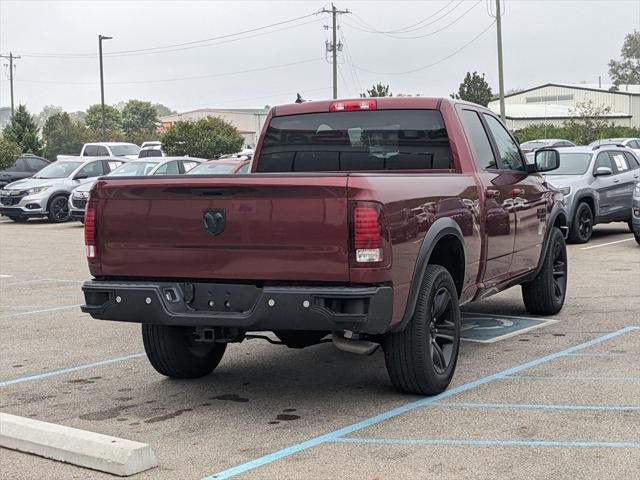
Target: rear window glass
<point>353,141</point>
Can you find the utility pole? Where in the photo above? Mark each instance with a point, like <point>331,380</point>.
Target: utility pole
<point>334,46</point>
<point>500,66</point>
<point>11,58</point>
<point>100,39</point>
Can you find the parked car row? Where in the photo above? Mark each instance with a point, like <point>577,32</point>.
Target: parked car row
<point>60,190</point>
<point>597,182</point>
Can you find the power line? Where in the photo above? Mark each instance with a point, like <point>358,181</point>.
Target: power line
<point>196,77</point>
<point>180,46</point>
<point>349,60</point>
<point>11,57</point>
<point>456,20</point>
<point>424,67</point>
<point>410,28</point>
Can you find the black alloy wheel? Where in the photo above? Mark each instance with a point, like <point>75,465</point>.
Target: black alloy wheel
<point>442,331</point>
<point>59,209</point>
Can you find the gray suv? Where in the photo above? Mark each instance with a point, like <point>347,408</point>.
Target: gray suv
<point>46,194</point>
<point>597,183</point>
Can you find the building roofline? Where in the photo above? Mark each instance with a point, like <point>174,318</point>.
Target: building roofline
<point>575,87</point>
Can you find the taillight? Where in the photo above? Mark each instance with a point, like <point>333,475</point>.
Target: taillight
<point>350,105</point>
<point>90,230</point>
<point>367,232</point>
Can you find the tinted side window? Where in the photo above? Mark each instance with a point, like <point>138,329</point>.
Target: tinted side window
<point>188,165</point>
<point>169,168</point>
<point>93,169</point>
<point>634,144</point>
<point>244,168</point>
<point>112,165</point>
<point>510,158</point>
<point>21,165</point>
<point>603,160</point>
<point>90,151</point>
<point>631,160</point>
<point>478,141</point>
<point>36,164</point>
<point>102,151</point>
<point>619,161</point>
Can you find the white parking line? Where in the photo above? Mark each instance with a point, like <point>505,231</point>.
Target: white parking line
<point>605,244</point>
<point>2,275</point>
<point>45,310</point>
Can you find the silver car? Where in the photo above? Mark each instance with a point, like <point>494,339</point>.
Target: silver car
<point>136,168</point>
<point>635,213</point>
<point>597,183</point>
<point>46,194</point>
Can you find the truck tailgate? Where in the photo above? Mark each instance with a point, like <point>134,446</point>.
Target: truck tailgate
<point>273,227</point>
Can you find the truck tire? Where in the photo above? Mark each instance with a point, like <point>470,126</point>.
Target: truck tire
<point>422,358</point>
<point>299,339</point>
<point>582,227</point>
<point>59,209</point>
<point>173,352</point>
<point>544,295</point>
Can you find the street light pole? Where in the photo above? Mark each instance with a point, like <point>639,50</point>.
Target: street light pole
<point>100,39</point>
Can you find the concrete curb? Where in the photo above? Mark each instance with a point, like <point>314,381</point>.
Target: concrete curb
<point>78,447</point>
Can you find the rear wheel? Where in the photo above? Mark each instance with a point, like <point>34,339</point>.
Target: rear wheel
<point>422,358</point>
<point>174,352</point>
<point>299,339</point>
<point>544,295</point>
<point>582,227</point>
<point>59,209</point>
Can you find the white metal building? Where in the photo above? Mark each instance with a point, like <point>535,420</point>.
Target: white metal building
<point>248,121</point>
<point>552,103</point>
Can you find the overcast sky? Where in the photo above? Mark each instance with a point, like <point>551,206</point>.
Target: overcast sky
<point>544,41</point>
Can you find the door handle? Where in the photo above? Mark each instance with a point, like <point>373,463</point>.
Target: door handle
<point>517,192</point>
<point>492,193</point>
<point>616,180</point>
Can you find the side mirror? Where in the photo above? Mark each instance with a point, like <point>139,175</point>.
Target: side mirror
<point>603,171</point>
<point>81,176</point>
<point>545,160</point>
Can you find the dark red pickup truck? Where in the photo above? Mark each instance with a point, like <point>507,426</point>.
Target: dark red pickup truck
<point>368,220</point>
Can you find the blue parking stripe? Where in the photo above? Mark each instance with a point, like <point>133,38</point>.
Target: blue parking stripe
<point>54,373</point>
<point>603,354</point>
<point>537,406</point>
<point>331,436</point>
<point>573,378</point>
<point>492,443</point>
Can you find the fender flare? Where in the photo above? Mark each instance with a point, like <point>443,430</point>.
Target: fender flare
<point>556,212</point>
<point>440,229</point>
<point>580,195</point>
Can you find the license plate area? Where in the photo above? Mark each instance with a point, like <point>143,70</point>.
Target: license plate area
<point>211,297</point>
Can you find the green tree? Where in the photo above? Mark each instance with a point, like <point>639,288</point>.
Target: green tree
<point>587,121</point>
<point>627,69</point>
<point>112,118</point>
<point>163,110</point>
<point>46,112</point>
<point>206,138</point>
<point>62,135</point>
<point>378,90</point>
<point>23,130</point>
<point>9,151</point>
<point>474,88</point>
<point>139,121</point>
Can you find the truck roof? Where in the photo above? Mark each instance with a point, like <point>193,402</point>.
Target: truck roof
<point>382,103</point>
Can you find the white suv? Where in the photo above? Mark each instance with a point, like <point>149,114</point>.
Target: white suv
<point>110,149</point>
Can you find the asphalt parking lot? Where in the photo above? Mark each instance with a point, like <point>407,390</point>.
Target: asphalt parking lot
<point>555,400</point>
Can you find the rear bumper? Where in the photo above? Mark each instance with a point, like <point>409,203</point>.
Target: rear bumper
<point>247,307</point>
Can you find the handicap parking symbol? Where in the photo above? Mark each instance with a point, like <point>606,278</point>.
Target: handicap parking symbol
<point>485,328</point>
